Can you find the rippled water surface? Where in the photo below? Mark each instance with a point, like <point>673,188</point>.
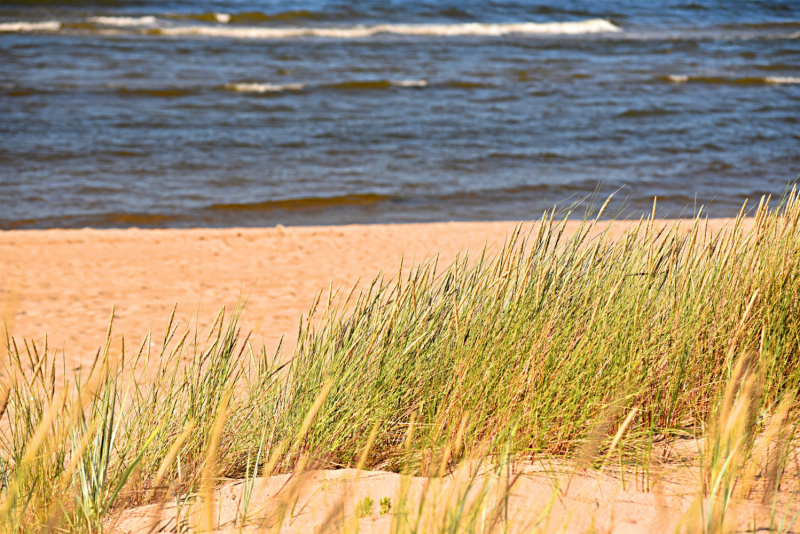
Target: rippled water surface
<point>208,113</point>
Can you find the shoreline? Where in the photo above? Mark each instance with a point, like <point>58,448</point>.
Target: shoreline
<point>65,282</point>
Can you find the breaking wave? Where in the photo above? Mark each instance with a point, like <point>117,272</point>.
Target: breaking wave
<point>264,87</point>
<point>48,26</point>
<point>678,78</point>
<point>410,83</point>
<point>124,21</point>
<point>351,85</point>
<point>224,29</point>
<point>361,31</point>
<point>782,79</point>
<point>747,80</point>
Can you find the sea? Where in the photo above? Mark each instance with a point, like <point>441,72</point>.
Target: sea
<point>211,113</point>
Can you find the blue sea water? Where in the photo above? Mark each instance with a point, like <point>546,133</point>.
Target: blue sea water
<point>230,113</point>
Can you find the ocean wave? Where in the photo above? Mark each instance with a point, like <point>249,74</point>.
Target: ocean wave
<point>303,203</point>
<point>124,21</point>
<point>361,85</point>
<point>48,26</point>
<point>440,30</point>
<point>246,17</point>
<point>461,84</point>
<point>169,92</point>
<point>782,79</point>
<point>692,6</point>
<point>283,16</point>
<point>638,113</point>
<point>264,87</point>
<point>376,84</point>
<point>208,16</point>
<point>678,78</point>
<point>746,80</point>
<point>347,85</point>
<point>410,83</point>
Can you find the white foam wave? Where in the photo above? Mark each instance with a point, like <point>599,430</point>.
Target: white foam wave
<point>124,21</point>
<point>445,30</point>
<point>223,18</point>
<point>782,79</point>
<point>410,83</point>
<point>264,87</point>
<point>678,78</point>
<point>49,26</point>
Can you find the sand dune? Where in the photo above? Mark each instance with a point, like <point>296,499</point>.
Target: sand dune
<point>543,497</point>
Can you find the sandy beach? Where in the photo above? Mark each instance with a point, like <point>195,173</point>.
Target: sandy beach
<point>65,283</point>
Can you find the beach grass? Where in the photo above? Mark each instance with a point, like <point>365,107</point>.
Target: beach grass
<point>579,348</point>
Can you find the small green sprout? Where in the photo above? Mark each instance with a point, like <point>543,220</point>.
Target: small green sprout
<point>364,508</point>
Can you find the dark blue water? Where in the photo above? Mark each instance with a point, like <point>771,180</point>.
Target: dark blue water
<point>208,113</point>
